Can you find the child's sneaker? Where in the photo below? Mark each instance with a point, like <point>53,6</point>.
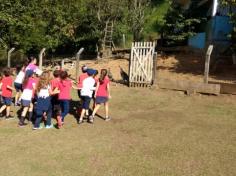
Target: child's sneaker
<point>22,124</point>
<point>107,119</point>
<point>90,120</point>
<point>49,126</point>
<point>9,117</point>
<point>37,128</point>
<point>80,121</point>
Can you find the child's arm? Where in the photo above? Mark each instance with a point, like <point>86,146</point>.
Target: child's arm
<point>11,88</point>
<point>108,90</point>
<point>96,89</point>
<point>55,91</point>
<point>75,87</point>
<point>0,85</point>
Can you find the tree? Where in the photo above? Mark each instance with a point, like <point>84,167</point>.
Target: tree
<point>232,14</point>
<point>136,17</point>
<point>179,25</point>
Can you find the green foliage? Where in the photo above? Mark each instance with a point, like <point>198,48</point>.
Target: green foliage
<point>232,4</point>
<point>63,26</point>
<point>178,25</point>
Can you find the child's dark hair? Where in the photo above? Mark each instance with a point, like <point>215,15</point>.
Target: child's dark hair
<point>103,75</point>
<point>96,73</point>
<point>63,75</point>
<point>84,68</point>
<point>7,72</point>
<point>31,59</point>
<point>56,73</point>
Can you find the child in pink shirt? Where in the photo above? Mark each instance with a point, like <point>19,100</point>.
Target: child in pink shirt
<point>56,109</point>
<point>102,95</point>
<point>29,87</point>
<point>64,97</point>
<point>6,85</point>
<point>81,78</point>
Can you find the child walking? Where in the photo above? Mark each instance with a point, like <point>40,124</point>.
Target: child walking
<point>7,89</point>
<point>18,83</point>
<point>44,106</point>
<point>64,97</point>
<point>29,87</point>
<point>86,92</point>
<point>102,95</point>
<point>56,109</point>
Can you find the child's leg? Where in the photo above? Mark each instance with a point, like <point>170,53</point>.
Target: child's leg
<point>31,108</point>
<point>82,115</point>
<point>2,108</point>
<point>8,108</point>
<point>39,116</point>
<point>65,109</point>
<point>106,109</point>
<point>96,109</point>
<point>49,117</point>
<point>24,112</point>
<point>16,97</point>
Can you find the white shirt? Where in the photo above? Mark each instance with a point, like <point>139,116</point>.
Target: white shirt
<point>44,93</point>
<point>27,94</point>
<point>20,77</point>
<point>88,87</point>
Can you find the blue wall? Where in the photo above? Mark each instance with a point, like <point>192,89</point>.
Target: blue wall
<point>197,41</point>
<point>221,28</point>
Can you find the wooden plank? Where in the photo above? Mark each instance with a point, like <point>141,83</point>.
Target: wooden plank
<point>189,85</point>
<point>131,64</point>
<point>228,88</point>
<point>207,63</point>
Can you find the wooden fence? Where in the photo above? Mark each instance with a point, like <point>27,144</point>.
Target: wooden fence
<point>141,70</point>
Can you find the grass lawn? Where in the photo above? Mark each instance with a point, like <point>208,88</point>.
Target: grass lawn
<point>152,132</point>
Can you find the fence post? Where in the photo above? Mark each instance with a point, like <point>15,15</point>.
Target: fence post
<point>9,57</point>
<point>154,68</point>
<point>77,62</point>
<point>207,63</point>
<point>41,58</point>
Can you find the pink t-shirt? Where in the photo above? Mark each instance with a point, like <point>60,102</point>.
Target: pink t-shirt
<point>102,88</point>
<point>31,67</point>
<point>7,81</point>
<point>81,78</point>
<point>30,83</point>
<point>54,83</point>
<point>65,88</point>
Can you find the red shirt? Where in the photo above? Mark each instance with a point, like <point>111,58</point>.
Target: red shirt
<point>55,83</point>
<point>102,88</point>
<point>81,78</point>
<point>7,81</point>
<point>64,87</point>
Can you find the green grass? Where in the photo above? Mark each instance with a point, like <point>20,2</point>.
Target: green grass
<point>152,132</point>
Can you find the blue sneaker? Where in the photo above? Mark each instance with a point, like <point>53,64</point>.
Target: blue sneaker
<point>49,126</point>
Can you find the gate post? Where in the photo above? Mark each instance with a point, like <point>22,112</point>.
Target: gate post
<point>77,62</point>
<point>41,58</point>
<point>9,57</point>
<point>207,63</point>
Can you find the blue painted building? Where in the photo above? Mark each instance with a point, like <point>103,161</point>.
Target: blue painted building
<point>216,29</point>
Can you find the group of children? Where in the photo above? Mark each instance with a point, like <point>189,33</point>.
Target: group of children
<point>42,97</point>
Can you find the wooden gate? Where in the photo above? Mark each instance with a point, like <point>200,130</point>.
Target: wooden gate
<point>141,70</point>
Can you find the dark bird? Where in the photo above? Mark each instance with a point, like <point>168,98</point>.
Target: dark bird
<point>109,74</point>
<point>124,75</point>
